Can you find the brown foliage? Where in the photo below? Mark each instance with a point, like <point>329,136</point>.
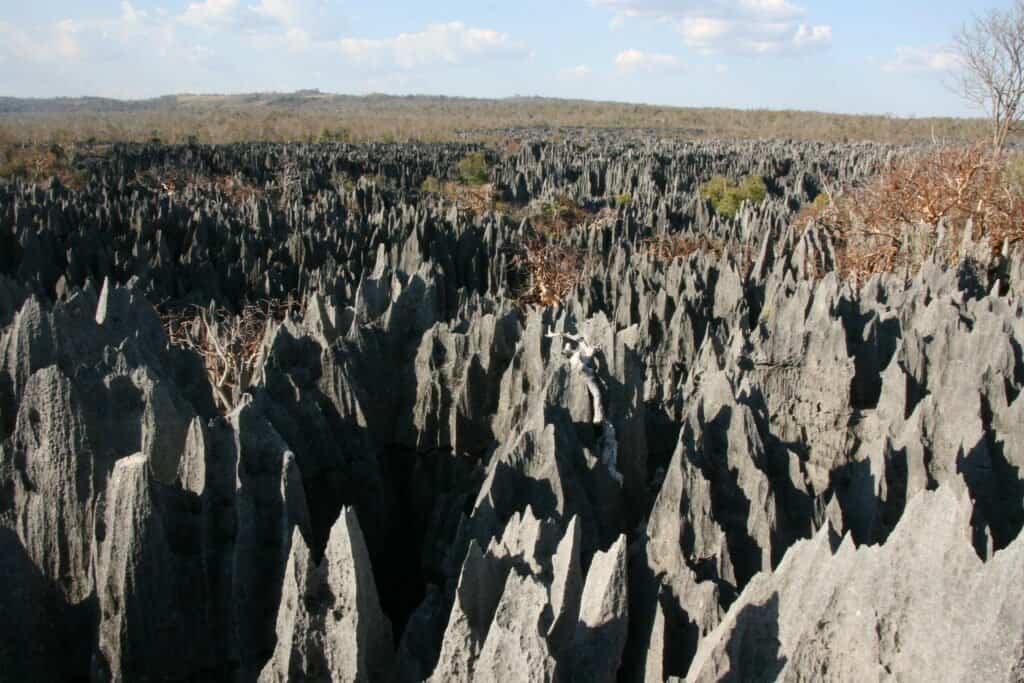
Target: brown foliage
<point>558,216</point>
<point>229,344</point>
<point>552,267</point>
<point>38,163</point>
<point>475,199</point>
<point>892,222</point>
<point>304,117</point>
<point>174,181</point>
<point>667,247</point>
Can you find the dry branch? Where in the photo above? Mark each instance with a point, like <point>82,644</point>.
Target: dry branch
<point>553,269</point>
<point>228,343</point>
<point>892,222</point>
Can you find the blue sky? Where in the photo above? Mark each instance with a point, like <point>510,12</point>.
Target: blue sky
<point>858,57</point>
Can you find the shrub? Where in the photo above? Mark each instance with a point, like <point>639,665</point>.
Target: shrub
<point>14,169</point>
<point>342,182</point>
<point>623,199</point>
<point>714,189</point>
<point>558,215</point>
<point>753,189</point>
<point>39,163</point>
<point>726,197</point>
<point>552,269</point>
<point>473,169</point>
<point>430,184</point>
<point>668,247</point>
<point>892,221</point>
<point>337,135</point>
<point>229,344</point>
<point>820,203</point>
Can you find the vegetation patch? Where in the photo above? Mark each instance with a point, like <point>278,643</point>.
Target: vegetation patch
<point>666,247</point>
<point>38,163</point>
<point>893,222</point>
<point>251,118</point>
<point>552,269</point>
<point>726,196</point>
<point>232,188</point>
<point>228,343</point>
<point>471,198</point>
<point>557,216</point>
<point>474,169</point>
<point>551,266</point>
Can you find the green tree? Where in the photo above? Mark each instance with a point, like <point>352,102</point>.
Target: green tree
<point>473,169</point>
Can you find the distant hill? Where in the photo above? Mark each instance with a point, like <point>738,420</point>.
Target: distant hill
<point>312,115</point>
<point>93,105</point>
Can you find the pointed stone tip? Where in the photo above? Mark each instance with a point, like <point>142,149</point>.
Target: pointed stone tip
<point>103,303</point>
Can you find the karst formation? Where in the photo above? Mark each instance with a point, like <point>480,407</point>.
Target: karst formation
<point>729,464</point>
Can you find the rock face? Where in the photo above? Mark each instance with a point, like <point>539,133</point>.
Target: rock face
<point>729,464</point>
<point>603,624</point>
<point>330,626</point>
<point>915,607</point>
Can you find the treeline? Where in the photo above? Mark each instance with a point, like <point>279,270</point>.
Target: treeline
<point>310,116</point>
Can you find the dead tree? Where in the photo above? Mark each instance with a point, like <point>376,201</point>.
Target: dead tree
<point>991,53</point>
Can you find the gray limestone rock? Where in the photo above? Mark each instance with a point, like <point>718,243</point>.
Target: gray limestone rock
<point>150,584</point>
<point>923,605</point>
<point>566,589</point>
<point>600,635</point>
<point>527,511</point>
<point>516,647</point>
<point>480,588</point>
<point>329,625</point>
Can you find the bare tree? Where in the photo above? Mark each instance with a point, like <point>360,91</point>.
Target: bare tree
<point>991,51</point>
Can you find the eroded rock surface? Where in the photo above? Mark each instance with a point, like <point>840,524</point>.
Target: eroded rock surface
<point>727,464</point>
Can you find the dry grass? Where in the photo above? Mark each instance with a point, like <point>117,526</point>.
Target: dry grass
<point>305,118</point>
<point>667,247</point>
<point>229,344</point>
<point>39,163</point>
<point>558,216</point>
<point>472,199</point>
<point>553,270</point>
<point>172,182</point>
<point>552,267</point>
<point>892,222</point>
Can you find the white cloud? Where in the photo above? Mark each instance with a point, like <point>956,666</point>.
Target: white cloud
<point>633,60</point>
<point>711,36</point>
<point>911,59</point>
<point>88,45</point>
<point>731,26</point>
<point>778,9</point>
<point>704,32</point>
<point>616,22</point>
<point>297,38</point>
<point>575,73</point>
<point>812,35</point>
<point>285,12</point>
<point>268,22</point>
<point>65,43</point>
<point>59,41</point>
<point>210,13</point>
<point>131,16</point>
<point>450,43</point>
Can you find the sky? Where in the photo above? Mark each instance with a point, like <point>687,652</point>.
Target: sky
<point>870,56</point>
